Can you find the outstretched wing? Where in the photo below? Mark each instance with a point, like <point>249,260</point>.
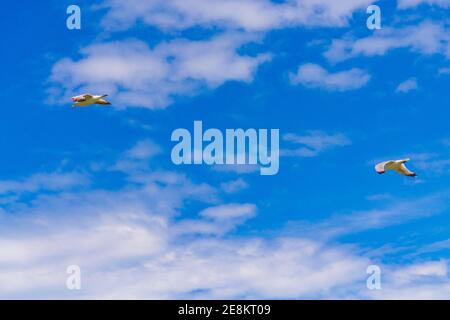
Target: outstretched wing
<point>404,170</point>
<point>102,102</point>
<point>381,167</point>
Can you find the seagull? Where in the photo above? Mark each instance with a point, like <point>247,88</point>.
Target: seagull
<point>395,165</point>
<point>85,100</point>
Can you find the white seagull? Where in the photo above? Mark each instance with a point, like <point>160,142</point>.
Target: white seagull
<point>84,100</point>
<point>395,165</point>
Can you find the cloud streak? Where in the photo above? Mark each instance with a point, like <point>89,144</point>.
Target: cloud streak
<point>428,38</point>
<point>314,76</point>
<point>314,142</point>
<point>41,182</point>
<point>407,86</point>
<point>250,15</point>
<point>396,213</point>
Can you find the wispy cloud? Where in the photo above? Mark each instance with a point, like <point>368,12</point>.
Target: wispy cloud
<point>419,281</point>
<point>315,76</point>
<point>397,212</point>
<point>234,185</point>
<point>144,149</point>
<point>217,220</point>
<point>444,71</point>
<point>126,240</point>
<point>407,86</point>
<point>433,164</point>
<point>229,211</point>
<point>313,143</point>
<point>407,4</point>
<point>249,267</point>
<point>134,236</point>
<point>137,157</point>
<point>41,182</point>
<point>428,38</point>
<point>250,15</point>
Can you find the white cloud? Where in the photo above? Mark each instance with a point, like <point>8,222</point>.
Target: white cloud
<point>407,86</point>
<point>144,149</point>
<point>379,197</point>
<point>139,242</point>
<point>234,186</point>
<point>249,15</point>
<point>436,166</point>
<point>217,220</point>
<point>128,244</point>
<point>127,250</point>
<point>136,158</point>
<point>55,181</point>
<point>407,4</point>
<point>133,258</point>
<point>444,71</point>
<point>135,75</point>
<point>229,211</point>
<point>446,142</point>
<point>397,212</point>
<point>314,143</point>
<point>432,163</point>
<point>420,281</point>
<point>315,76</point>
<point>138,76</point>
<point>427,38</point>
<point>435,246</point>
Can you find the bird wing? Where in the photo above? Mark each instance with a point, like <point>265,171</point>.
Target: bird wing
<point>381,167</point>
<point>404,170</point>
<point>103,102</point>
<point>88,96</point>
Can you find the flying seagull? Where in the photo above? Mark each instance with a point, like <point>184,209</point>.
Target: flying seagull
<point>395,165</point>
<point>85,100</point>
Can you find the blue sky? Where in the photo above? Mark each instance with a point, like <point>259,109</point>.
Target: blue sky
<point>96,187</point>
